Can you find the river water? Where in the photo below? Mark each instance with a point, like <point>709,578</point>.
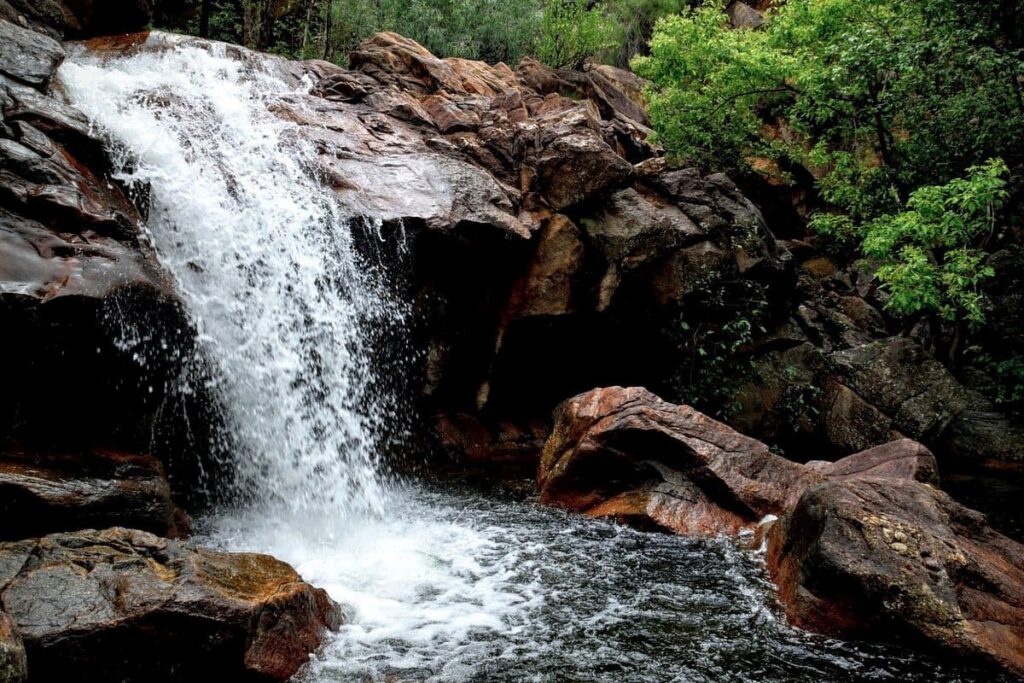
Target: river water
<point>439,582</point>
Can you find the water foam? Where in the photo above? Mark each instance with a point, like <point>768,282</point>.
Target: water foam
<point>264,260</point>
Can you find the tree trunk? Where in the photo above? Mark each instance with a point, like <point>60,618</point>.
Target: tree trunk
<point>204,18</point>
<point>257,23</point>
<point>328,22</point>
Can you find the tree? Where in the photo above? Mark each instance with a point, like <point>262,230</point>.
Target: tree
<point>930,255</point>
<point>573,32</point>
<point>877,97</point>
<point>258,23</point>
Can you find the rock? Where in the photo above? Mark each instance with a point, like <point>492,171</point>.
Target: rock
<point>923,400</point>
<point>94,311</point>
<point>903,381</point>
<point>898,459</point>
<point>853,424</point>
<point>28,56</point>
<point>44,493</point>
<point>897,559</point>
<point>126,605</point>
<point>79,18</point>
<point>547,288</point>
<point>13,663</point>
<point>743,16</point>
<point>475,446</point>
<point>627,454</point>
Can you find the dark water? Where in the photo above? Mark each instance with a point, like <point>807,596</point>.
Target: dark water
<point>996,489</point>
<point>462,586</point>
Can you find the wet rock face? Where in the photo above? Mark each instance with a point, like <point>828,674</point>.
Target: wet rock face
<point>27,55</point>
<point>92,308</point>
<point>548,245</point>
<point>44,493</point>
<point>872,558</point>
<point>126,605</point>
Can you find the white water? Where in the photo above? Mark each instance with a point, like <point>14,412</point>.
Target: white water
<point>264,260</point>
<point>441,586</point>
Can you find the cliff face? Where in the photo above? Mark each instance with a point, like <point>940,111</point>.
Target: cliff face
<point>548,249</point>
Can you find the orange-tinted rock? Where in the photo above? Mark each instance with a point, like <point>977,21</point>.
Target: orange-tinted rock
<point>125,605</point>
<point>896,559</point>
<point>625,453</point>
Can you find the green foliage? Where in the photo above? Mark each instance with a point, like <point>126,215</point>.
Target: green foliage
<point>716,359</point>
<point>633,22</point>
<point>571,32</point>
<point>492,30</point>
<point>930,254</point>
<point>1006,383</point>
<point>877,97</point>
<point>711,84</point>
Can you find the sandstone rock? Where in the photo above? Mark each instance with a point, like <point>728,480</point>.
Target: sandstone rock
<point>897,459</point>
<point>625,453</point>
<point>125,605</point>
<point>547,287</point>
<point>28,56</point>
<point>925,401</point>
<point>45,493</point>
<point>13,663</point>
<point>897,559</point>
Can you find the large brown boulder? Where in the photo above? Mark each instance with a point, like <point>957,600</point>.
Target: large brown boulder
<point>44,493</point>
<point>897,559</point>
<point>627,454</point>
<point>125,605</point>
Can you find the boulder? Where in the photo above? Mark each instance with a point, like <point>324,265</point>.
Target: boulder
<point>627,454</point>
<point>897,559</point>
<point>743,16</point>
<point>45,493</point>
<point>913,393</point>
<point>28,56</point>
<point>126,605</point>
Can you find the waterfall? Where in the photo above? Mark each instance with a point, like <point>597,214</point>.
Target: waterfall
<point>264,260</point>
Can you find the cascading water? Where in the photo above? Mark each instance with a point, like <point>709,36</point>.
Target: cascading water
<point>441,585</point>
<point>264,260</point>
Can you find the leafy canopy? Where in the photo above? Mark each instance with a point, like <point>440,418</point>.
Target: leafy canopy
<point>930,254</point>
<point>876,97</point>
